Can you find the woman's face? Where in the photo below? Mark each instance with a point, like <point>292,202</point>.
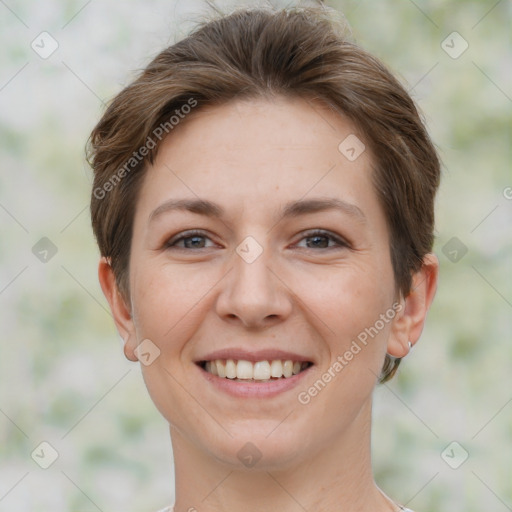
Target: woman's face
<point>255,285</point>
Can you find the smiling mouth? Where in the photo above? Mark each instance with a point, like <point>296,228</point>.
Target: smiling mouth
<point>247,371</point>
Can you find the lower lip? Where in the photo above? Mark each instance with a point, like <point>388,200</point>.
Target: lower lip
<point>253,389</point>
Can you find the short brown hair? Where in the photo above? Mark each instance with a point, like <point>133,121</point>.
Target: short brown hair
<point>261,52</point>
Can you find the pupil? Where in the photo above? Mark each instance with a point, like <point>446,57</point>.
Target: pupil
<point>194,239</point>
<point>316,237</point>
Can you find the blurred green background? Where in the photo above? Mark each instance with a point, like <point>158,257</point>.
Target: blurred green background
<point>63,377</point>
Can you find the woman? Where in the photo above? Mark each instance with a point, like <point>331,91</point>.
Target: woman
<point>263,203</point>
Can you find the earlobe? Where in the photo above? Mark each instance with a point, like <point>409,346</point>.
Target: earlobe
<point>120,311</point>
<point>129,349</point>
<point>409,322</point>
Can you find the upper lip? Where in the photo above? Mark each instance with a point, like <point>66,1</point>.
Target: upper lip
<point>238,353</point>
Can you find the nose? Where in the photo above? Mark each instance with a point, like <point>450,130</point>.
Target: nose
<point>253,294</point>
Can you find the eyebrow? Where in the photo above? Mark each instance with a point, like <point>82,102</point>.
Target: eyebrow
<point>292,209</point>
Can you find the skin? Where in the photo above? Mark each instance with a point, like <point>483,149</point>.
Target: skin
<point>251,157</point>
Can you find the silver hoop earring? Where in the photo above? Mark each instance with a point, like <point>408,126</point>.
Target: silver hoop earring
<point>410,346</point>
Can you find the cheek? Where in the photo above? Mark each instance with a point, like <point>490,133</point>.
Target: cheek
<point>351,306</point>
<point>350,299</point>
<point>355,329</point>
<point>165,301</point>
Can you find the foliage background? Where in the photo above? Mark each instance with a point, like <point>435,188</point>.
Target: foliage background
<point>64,379</point>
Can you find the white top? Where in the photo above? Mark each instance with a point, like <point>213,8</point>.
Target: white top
<point>171,509</point>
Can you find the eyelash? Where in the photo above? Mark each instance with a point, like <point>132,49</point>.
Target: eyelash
<point>171,244</point>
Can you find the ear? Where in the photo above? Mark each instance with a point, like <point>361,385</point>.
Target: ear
<point>410,319</point>
<point>120,311</point>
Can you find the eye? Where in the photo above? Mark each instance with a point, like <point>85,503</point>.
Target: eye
<point>191,239</point>
<point>321,238</point>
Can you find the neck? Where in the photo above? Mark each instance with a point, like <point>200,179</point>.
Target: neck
<point>337,478</point>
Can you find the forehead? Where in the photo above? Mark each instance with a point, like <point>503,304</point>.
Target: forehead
<point>256,152</point>
<point>279,122</point>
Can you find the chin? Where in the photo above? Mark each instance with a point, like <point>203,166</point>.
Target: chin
<point>258,454</point>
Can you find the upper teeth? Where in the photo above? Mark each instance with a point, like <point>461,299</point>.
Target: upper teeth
<point>260,370</point>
